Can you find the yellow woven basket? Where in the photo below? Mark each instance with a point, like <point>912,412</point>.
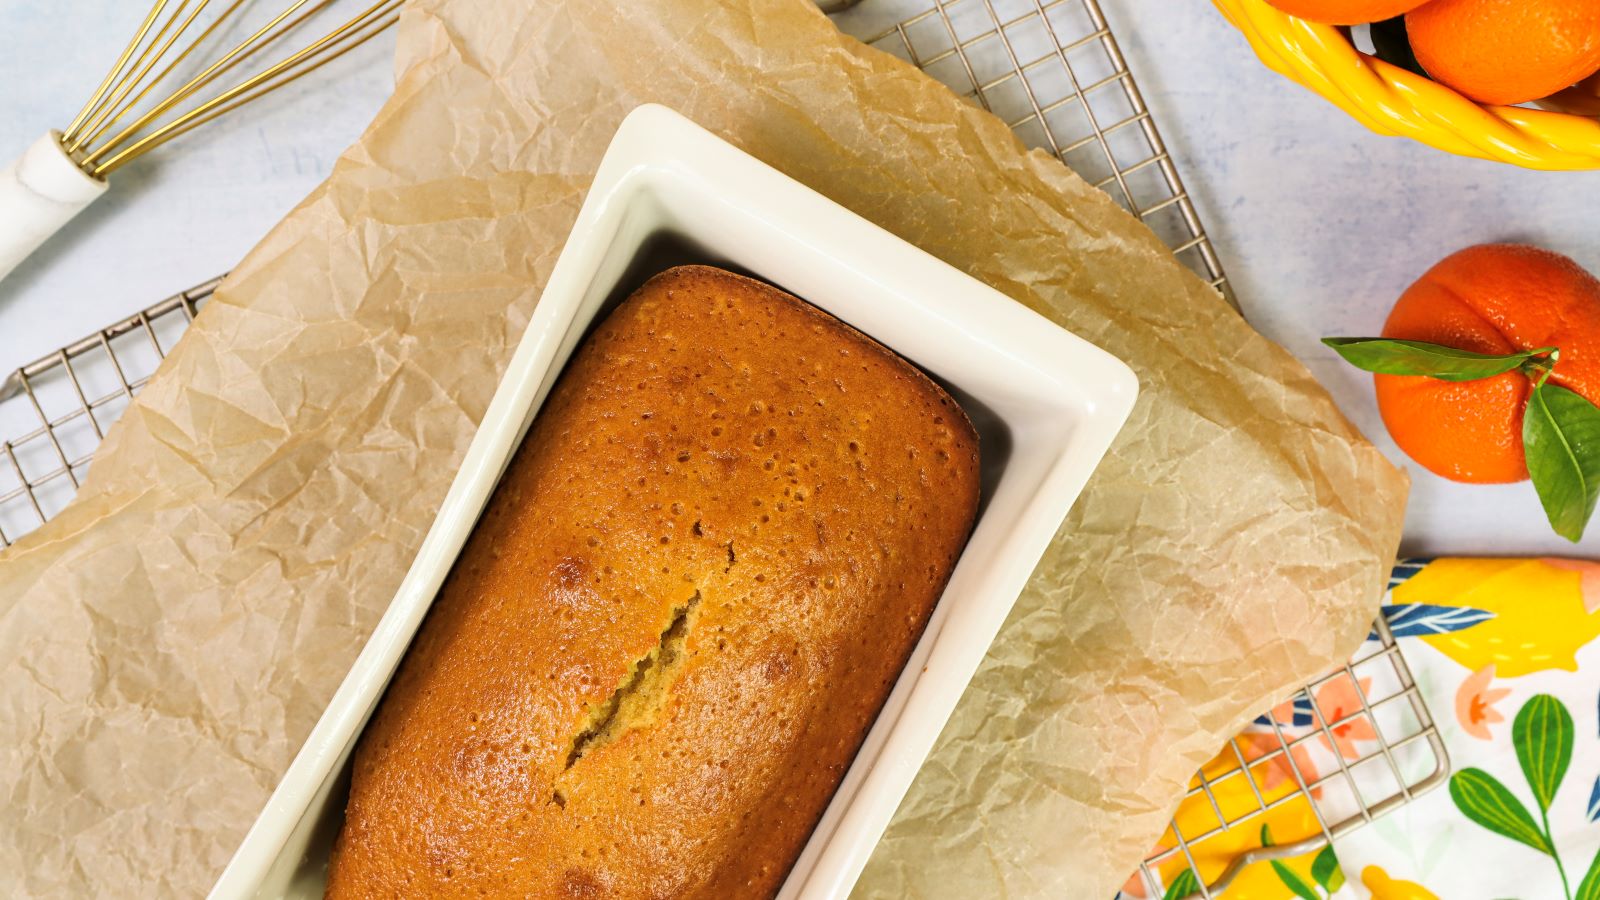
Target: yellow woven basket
<point>1392,101</point>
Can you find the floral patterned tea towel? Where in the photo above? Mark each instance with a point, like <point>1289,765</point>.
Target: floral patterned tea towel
<point>1505,654</point>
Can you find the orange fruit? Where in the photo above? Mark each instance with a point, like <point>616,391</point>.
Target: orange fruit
<point>1346,12</point>
<point>1582,98</point>
<point>1507,51</point>
<point>1493,298</point>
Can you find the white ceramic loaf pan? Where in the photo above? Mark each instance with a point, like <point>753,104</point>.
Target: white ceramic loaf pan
<point>1046,405</point>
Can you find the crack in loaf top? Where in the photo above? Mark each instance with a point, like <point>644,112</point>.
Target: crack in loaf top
<point>678,617</point>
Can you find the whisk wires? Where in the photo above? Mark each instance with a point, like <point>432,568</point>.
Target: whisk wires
<point>177,111</point>
<point>103,117</point>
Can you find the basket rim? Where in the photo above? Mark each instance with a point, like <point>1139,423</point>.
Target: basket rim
<point>1390,100</point>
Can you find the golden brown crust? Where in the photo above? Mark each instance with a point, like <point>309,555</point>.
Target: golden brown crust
<point>679,615</point>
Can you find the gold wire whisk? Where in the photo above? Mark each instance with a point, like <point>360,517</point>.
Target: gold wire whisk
<point>100,150</point>
<point>136,107</point>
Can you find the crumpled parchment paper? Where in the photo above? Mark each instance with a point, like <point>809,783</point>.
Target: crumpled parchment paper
<point>167,641</point>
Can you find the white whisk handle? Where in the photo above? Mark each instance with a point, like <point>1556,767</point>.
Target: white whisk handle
<point>40,192</point>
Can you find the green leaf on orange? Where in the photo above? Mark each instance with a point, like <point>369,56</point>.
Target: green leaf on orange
<point>1387,356</point>
<point>1561,438</point>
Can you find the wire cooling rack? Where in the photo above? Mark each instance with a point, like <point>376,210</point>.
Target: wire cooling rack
<point>1343,760</point>
<point>1054,73</point>
<point>60,405</point>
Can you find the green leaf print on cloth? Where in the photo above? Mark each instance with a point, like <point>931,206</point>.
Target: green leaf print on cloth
<point>1182,886</point>
<point>1542,735</point>
<point>1589,888</point>
<point>1325,870</point>
<point>1484,800</point>
<point>1294,882</point>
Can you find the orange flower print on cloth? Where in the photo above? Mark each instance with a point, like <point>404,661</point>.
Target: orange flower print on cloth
<point>1277,770</point>
<point>1475,701</point>
<point>1336,700</point>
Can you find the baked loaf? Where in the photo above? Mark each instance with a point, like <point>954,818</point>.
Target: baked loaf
<point>673,626</point>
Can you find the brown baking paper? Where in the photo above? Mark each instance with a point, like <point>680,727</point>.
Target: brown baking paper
<point>170,638</point>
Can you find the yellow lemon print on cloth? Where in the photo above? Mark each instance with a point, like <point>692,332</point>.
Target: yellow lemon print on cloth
<point>1540,618</point>
<point>1385,888</point>
<point>1288,822</point>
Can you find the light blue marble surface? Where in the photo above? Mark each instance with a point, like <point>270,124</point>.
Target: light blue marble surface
<point>1322,224</point>
<point>1319,223</point>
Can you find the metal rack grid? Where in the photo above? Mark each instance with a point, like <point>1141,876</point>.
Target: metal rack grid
<point>1052,70</point>
<point>60,405</point>
<point>1407,758</point>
